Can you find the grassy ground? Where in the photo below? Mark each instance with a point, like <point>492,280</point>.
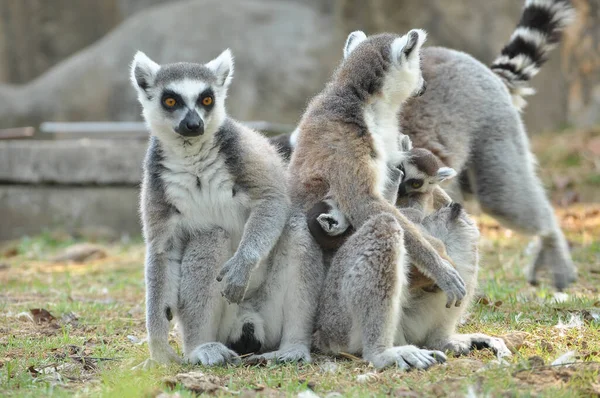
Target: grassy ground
<point>78,328</point>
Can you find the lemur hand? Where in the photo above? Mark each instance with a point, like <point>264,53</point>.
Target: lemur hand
<point>451,283</point>
<point>236,273</point>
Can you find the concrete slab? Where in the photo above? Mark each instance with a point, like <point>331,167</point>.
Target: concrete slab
<point>72,162</point>
<point>26,210</point>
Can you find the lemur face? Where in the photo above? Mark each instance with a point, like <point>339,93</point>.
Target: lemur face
<point>184,99</point>
<point>403,78</point>
<point>422,172</point>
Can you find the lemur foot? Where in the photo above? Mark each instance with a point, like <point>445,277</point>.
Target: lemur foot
<point>554,255</point>
<point>406,357</point>
<point>163,353</point>
<point>463,344</point>
<point>146,365</point>
<point>213,354</point>
<point>293,353</point>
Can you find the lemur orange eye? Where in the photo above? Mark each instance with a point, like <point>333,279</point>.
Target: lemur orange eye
<point>170,102</point>
<point>207,101</point>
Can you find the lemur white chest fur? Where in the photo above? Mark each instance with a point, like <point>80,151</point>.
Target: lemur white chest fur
<point>199,185</point>
<point>382,122</point>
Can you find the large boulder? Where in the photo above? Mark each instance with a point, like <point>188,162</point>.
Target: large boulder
<point>281,49</point>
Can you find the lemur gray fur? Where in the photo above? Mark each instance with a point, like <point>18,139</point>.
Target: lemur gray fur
<point>417,188</point>
<point>347,139</point>
<point>360,281</point>
<point>469,118</point>
<point>215,207</point>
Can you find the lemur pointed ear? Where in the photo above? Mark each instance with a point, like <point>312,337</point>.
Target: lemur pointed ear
<point>445,173</point>
<point>353,40</point>
<point>143,71</point>
<point>407,45</point>
<point>222,66</point>
<point>405,143</point>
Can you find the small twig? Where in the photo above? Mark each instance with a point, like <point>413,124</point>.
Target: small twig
<point>84,358</point>
<point>349,356</point>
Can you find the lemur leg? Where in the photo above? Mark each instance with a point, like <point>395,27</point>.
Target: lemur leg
<point>293,287</point>
<point>507,187</point>
<point>162,284</point>
<point>200,305</point>
<point>362,298</point>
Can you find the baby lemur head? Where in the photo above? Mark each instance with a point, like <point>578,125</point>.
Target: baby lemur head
<point>185,100</point>
<point>422,170</point>
<point>386,66</point>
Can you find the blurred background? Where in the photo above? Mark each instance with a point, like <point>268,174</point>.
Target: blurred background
<point>67,61</point>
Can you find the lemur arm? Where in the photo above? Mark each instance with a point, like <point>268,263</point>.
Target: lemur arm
<point>362,204</point>
<point>261,232</point>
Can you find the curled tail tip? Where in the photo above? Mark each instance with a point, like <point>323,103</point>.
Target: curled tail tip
<point>538,32</point>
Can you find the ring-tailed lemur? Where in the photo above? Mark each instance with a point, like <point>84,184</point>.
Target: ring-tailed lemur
<point>347,138</point>
<point>215,207</point>
<point>358,283</point>
<point>469,118</point>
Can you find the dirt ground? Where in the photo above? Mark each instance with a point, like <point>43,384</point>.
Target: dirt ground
<point>72,318</point>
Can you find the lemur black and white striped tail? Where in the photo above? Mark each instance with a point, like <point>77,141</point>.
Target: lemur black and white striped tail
<point>537,33</point>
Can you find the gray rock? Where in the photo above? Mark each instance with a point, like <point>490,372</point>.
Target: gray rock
<point>281,49</point>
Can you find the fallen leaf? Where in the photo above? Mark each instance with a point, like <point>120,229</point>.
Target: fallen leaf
<point>41,315</point>
<point>367,377</point>
<point>567,357</point>
<point>33,371</point>
<point>197,382</point>
<point>515,340</point>
<point>80,253</point>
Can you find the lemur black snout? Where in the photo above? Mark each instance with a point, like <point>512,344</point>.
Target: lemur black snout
<point>191,125</point>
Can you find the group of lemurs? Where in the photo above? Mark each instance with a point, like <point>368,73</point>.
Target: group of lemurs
<point>338,237</point>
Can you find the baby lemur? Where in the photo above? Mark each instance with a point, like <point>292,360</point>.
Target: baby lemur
<point>346,139</point>
<point>417,187</point>
<point>221,239</point>
<point>416,192</point>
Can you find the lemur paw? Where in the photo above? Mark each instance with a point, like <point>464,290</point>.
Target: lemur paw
<point>462,344</point>
<point>295,353</point>
<point>451,283</point>
<point>163,353</point>
<point>212,354</point>
<point>236,274</point>
<point>406,357</point>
